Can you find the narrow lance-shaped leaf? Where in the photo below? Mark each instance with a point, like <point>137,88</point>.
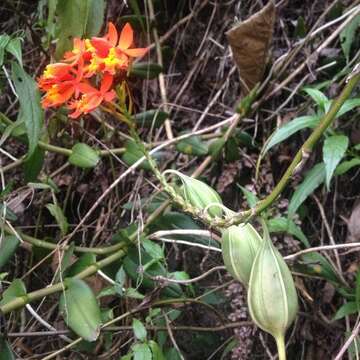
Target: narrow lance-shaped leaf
<point>72,17</point>
<point>347,36</point>
<point>57,213</point>
<point>14,48</point>
<point>320,98</point>
<point>289,129</point>
<point>30,108</point>
<point>333,151</point>
<point>312,180</point>
<point>95,18</point>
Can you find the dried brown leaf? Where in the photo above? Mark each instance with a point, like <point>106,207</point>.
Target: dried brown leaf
<point>250,41</point>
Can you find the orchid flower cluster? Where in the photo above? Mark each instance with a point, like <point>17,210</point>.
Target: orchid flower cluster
<point>72,82</point>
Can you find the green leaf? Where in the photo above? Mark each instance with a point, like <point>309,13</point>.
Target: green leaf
<point>65,262</point>
<point>83,156</point>
<point>151,118</point>
<point>34,164</point>
<point>14,48</point>
<point>73,16</point>
<point>8,246</point>
<point>300,30</point>
<point>120,277</point>
<point>50,26</point>
<point>81,310</point>
<point>250,197</point>
<point>6,352</point>
<point>95,18</point>
<point>346,166</point>
<point>57,213</point>
<point>320,98</point>
<point>133,153</point>
<point>134,294</point>
<point>81,264</point>
<point>153,249</point>
<point>347,36</point>
<point>315,264</point>
<point>145,70</point>
<point>15,290</point>
<point>9,215</point>
<point>312,180</point>
<point>347,106</point>
<point>216,147</point>
<point>29,98</point>
<point>192,146</point>
<point>157,354</point>
<point>333,151</point>
<point>346,309</point>
<point>282,224</point>
<point>142,352</point>
<point>289,129</point>
<point>139,330</point>
<point>151,268</point>
<point>136,9</point>
<point>4,39</point>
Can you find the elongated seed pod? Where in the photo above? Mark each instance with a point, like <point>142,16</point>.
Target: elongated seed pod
<point>272,297</point>
<point>240,243</point>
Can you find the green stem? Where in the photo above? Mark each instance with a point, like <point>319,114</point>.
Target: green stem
<point>280,343</point>
<point>306,148</point>
<point>38,294</point>
<point>51,246</point>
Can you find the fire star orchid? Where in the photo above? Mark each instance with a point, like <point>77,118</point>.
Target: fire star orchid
<point>85,77</point>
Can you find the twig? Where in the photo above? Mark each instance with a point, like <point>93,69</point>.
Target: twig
<point>322,248</point>
<point>188,281</point>
<point>171,335</point>
<point>348,341</point>
<point>161,77</point>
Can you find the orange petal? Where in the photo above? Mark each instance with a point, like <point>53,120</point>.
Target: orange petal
<point>112,34</point>
<point>93,102</point>
<point>126,37</point>
<point>86,88</point>
<point>140,52</point>
<point>110,96</point>
<point>106,83</point>
<point>101,45</point>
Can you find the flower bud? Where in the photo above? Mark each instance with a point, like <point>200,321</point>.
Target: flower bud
<point>240,244</point>
<point>200,195</point>
<point>272,297</point>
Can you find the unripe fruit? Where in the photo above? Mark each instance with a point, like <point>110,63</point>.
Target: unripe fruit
<point>240,244</point>
<point>272,297</point>
<point>201,195</point>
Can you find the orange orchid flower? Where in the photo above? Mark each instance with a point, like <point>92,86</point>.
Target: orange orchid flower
<point>79,51</point>
<point>92,97</point>
<point>67,82</point>
<point>57,95</point>
<point>59,92</point>
<point>54,73</point>
<point>115,50</point>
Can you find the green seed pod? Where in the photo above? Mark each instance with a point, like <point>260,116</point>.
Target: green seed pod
<point>272,297</point>
<point>240,243</point>
<point>200,195</point>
